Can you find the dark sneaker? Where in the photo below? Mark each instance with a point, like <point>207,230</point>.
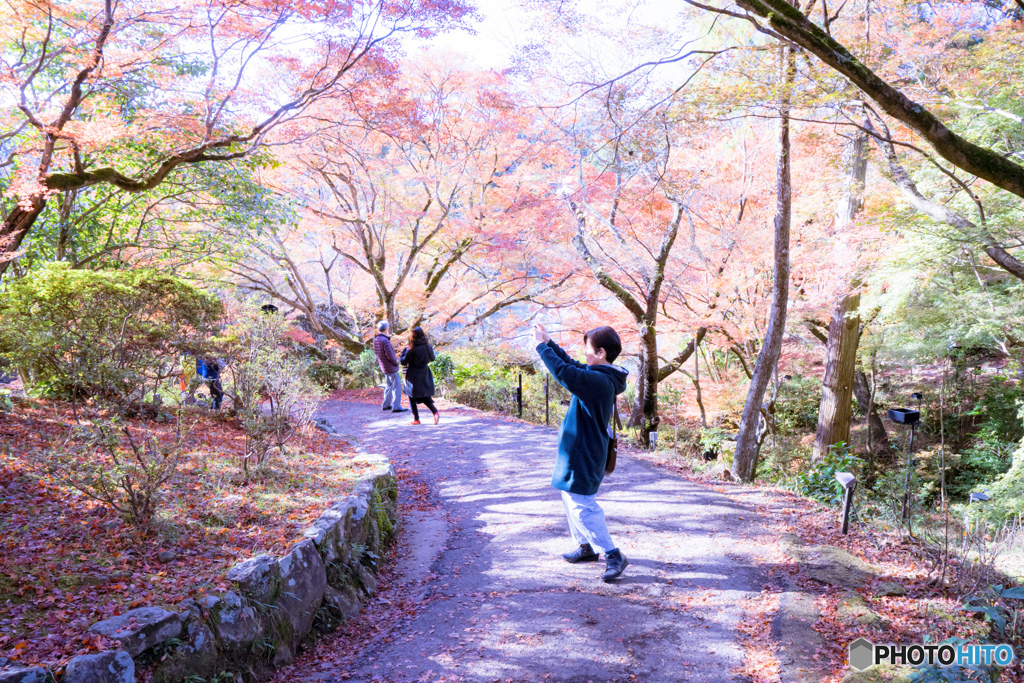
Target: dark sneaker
<point>400,410</point>
<point>617,564</point>
<point>582,554</point>
<point>387,410</point>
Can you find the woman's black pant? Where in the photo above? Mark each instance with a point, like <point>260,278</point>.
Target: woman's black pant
<point>216,392</point>
<point>428,402</point>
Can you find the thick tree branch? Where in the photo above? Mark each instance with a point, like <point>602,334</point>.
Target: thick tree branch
<point>665,371</point>
<point>606,280</point>
<point>941,213</point>
<point>790,22</point>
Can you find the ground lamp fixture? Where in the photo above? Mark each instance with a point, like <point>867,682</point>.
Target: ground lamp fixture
<point>849,483</point>
<point>907,417</point>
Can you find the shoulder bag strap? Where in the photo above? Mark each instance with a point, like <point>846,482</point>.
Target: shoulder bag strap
<point>616,422</point>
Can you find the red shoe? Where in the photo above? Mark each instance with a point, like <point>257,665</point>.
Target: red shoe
<point>415,422</point>
<point>437,416</point>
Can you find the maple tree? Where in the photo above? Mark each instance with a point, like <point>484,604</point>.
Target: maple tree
<point>995,163</point>
<point>416,210</point>
<point>123,94</point>
<point>644,193</point>
<point>791,23</point>
<point>343,181</point>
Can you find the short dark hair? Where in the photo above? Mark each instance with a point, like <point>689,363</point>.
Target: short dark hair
<point>606,338</point>
<point>418,336</point>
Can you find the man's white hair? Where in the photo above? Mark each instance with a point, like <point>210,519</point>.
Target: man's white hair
<point>382,325</point>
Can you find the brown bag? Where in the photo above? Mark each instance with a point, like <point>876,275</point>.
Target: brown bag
<point>613,440</point>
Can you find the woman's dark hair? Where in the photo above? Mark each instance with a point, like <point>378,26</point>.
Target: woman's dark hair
<point>418,336</point>
<point>605,338</point>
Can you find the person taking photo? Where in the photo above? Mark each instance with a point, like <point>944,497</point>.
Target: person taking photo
<point>583,440</point>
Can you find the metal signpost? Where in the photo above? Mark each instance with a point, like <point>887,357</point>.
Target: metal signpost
<point>907,417</point>
<point>547,401</point>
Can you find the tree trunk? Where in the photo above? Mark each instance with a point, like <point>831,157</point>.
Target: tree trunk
<point>747,446</point>
<point>878,438</point>
<point>696,386</point>
<point>645,409</point>
<point>14,230</point>
<point>836,409</point>
<point>855,166</point>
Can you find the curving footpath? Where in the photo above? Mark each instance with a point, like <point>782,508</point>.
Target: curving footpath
<point>497,602</point>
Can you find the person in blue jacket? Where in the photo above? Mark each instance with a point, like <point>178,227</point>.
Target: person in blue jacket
<point>583,440</point>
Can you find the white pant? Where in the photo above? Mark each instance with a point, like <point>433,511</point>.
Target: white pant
<point>586,521</point>
<point>392,391</point>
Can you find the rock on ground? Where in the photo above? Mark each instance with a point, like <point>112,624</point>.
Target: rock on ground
<point>105,667</point>
<point>140,629</point>
<point>24,674</point>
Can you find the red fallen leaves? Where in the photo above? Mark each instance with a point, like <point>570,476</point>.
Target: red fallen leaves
<point>909,618</point>
<point>371,395</point>
<point>67,562</point>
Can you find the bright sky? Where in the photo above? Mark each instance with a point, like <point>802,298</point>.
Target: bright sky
<point>496,37</point>
<point>505,24</point>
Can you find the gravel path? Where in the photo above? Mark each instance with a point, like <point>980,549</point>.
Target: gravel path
<point>495,601</point>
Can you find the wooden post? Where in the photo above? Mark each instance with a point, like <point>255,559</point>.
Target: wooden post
<point>547,400</point>
<point>519,396</point>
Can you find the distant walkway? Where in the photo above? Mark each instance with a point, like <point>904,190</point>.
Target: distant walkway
<point>498,602</point>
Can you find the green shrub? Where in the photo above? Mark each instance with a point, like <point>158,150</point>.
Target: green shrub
<point>998,409</point>
<point>471,365</point>
<point>818,481</point>
<point>443,370</point>
<point>108,334</point>
<point>328,375</point>
<point>1006,501</point>
<point>796,409</point>
<point>364,370</point>
<point>710,440</point>
<point>488,394</point>
<point>978,465</point>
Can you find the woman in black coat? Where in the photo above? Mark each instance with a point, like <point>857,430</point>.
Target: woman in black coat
<point>416,358</point>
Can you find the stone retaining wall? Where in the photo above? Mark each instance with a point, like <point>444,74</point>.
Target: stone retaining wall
<point>276,602</point>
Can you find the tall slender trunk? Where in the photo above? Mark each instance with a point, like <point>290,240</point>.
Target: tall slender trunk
<point>646,404</point>
<point>835,413</point>
<point>864,391</point>
<point>747,446</point>
<point>836,408</point>
<point>855,166</point>
<point>696,386</point>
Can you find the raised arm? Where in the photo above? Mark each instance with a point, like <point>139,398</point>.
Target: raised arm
<point>560,352</point>
<point>570,374</point>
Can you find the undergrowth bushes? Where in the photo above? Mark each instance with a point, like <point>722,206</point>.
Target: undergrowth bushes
<point>273,392</point>
<point>109,334</point>
<point>490,381</point>
<point>118,467</point>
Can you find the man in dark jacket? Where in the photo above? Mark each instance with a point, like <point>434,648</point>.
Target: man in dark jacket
<point>209,370</point>
<point>388,362</point>
<point>583,440</point>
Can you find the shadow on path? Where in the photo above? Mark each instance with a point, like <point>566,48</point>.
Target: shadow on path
<point>503,606</point>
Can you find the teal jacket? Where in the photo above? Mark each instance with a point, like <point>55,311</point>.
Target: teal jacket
<point>583,436</point>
